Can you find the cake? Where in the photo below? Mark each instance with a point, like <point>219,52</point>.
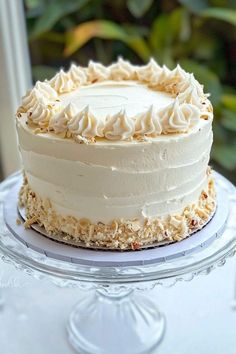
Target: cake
<point>117,157</point>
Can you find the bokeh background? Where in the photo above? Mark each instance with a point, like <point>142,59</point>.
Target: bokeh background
<point>198,34</point>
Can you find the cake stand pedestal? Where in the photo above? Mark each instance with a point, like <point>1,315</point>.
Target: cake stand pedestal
<point>115,322</point>
<point>116,315</point>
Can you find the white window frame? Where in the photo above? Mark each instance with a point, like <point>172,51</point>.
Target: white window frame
<point>15,78</point>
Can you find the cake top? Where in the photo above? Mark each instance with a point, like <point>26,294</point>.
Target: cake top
<point>118,102</point>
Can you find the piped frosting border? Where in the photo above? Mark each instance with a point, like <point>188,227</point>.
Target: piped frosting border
<point>46,114</point>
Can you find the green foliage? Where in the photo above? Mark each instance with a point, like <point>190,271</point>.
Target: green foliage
<point>81,34</point>
<point>167,31</point>
<point>228,15</point>
<point>195,6</point>
<point>200,35</point>
<point>207,77</point>
<point>42,72</point>
<point>139,8</point>
<point>53,13</point>
<point>225,155</point>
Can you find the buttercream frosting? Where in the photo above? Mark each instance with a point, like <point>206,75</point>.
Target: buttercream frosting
<point>97,72</point>
<point>31,98</point>
<point>85,124</point>
<point>115,96</point>
<point>40,114</point>
<point>148,123</point>
<point>122,70</point>
<point>62,82</point>
<point>77,75</point>
<point>177,118</point>
<point>119,127</point>
<point>60,120</point>
<point>46,90</point>
<point>147,73</point>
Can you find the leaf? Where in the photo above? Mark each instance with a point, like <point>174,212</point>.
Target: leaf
<point>81,34</point>
<point>55,10</point>
<point>195,6</point>
<point>229,90</point>
<point>134,29</point>
<point>31,4</point>
<point>229,101</point>
<point>208,48</point>
<point>42,72</point>
<point>140,47</point>
<point>159,34</point>
<point>225,155</point>
<point>185,30</point>
<point>219,13</point>
<point>219,132</point>
<point>138,8</point>
<point>34,8</point>
<point>206,77</point>
<point>228,119</point>
<point>52,36</point>
<point>165,31</point>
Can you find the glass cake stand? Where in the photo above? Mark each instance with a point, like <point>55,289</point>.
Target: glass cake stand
<point>118,316</point>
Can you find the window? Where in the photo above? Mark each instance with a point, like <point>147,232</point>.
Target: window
<point>15,79</point>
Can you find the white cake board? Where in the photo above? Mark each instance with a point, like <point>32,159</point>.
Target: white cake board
<point>33,240</point>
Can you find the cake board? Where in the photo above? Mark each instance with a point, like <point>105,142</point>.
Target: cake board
<point>33,239</point>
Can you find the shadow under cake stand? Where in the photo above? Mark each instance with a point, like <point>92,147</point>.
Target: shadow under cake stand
<point>114,318</point>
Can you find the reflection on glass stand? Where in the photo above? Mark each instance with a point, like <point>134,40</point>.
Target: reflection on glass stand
<point>116,315</point>
<point>1,300</point>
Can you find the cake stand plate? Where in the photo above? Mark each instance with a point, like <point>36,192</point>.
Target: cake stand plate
<point>32,238</point>
<point>115,319</point>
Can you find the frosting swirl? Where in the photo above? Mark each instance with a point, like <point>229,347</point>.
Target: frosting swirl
<point>62,82</point>
<point>175,80</point>
<point>122,70</point>
<point>77,75</point>
<point>190,96</point>
<point>178,118</point>
<point>97,72</point>
<point>85,124</point>
<point>163,77</point>
<point>147,123</point>
<point>148,72</point>
<point>46,90</point>
<point>40,114</point>
<point>192,113</point>
<point>180,74</point>
<point>31,98</point>
<point>119,127</point>
<point>59,121</point>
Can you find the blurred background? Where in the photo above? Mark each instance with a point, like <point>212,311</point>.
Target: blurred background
<point>198,34</point>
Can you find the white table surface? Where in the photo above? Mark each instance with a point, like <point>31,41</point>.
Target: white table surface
<point>200,319</point>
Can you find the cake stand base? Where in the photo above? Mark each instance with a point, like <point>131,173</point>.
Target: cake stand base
<point>112,323</point>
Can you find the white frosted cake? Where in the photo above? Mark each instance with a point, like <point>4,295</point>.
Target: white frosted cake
<point>117,157</point>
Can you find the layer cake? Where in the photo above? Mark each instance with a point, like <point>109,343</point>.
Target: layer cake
<point>117,157</point>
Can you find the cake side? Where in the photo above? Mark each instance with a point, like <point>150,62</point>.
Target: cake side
<point>120,234</point>
<point>106,181</point>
